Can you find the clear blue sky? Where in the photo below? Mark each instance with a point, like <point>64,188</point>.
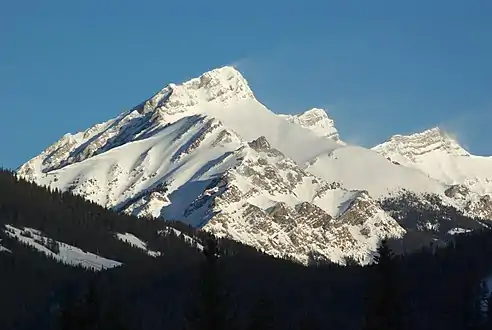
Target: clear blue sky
<point>380,67</point>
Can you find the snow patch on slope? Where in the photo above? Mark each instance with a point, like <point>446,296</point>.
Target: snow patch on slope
<point>3,249</point>
<point>66,254</point>
<point>457,231</point>
<point>137,242</point>
<point>188,239</point>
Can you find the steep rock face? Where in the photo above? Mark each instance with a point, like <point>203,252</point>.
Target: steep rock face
<point>471,203</point>
<point>306,230</point>
<point>299,215</point>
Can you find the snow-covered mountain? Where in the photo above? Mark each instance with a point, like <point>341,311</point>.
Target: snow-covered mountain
<point>208,153</point>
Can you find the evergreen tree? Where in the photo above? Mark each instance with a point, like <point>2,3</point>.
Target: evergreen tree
<point>474,300</point>
<point>383,303</point>
<point>69,317</point>
<point>488,314</point>
<point>308,321</point>
<point>81,314</point>
<point>53,246</point>
<point>112,319</point>
<point>482,306</point>
<point>210,313</point>
<point>262,315</point>
<point>91,310</point>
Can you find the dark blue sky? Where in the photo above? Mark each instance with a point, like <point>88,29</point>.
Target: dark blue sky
<point>379,67</point>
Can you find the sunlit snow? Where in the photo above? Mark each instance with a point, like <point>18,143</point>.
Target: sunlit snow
<point>67,254</point>
<point>186,238</point>
<point>137,242</point>
<point>3,249</point>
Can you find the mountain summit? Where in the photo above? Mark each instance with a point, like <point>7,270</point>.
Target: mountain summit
<point>419,144</point>
<point>435,153</point>
<point>207,153</point>
<point>317,121</point>
<point>219,85</point>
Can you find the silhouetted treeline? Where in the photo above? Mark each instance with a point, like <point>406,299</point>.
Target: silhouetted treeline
<point>228,285</point>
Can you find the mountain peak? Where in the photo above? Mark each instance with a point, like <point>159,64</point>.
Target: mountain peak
<point>218,85</point>
<point>314,112</point>
<point>431,140</point>
<point>434,132</point>
<point>317,121</point>
<point>224,74</point>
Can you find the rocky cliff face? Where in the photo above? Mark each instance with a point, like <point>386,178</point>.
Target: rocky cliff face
<point>267,201</point>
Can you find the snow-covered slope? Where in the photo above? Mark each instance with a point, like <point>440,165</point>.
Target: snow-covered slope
<point>139,175</point>
<point>137,243</point>
<point>62,252</point>
<point>188,239</point>
<point>439,156</point>
<point>2,248</point>
<point>208,153</point>
<point>359,168</point>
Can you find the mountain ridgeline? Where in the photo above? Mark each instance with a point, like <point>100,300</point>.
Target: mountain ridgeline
<point>207,153</point>
<point>195,281</point>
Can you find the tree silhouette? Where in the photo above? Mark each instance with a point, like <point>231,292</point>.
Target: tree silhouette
<point>262,315</point>
<point>488,314</point>
<point>474,299</point>
<point>81,314</point>
<point>69,315</point>
<point>210,314</point>
<point>383,303</point>
<point>309,321</point>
